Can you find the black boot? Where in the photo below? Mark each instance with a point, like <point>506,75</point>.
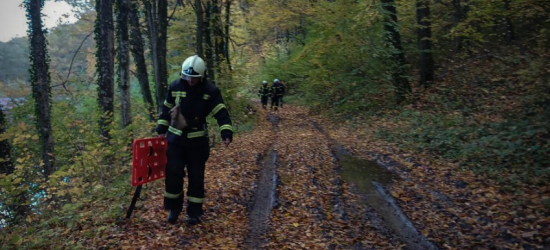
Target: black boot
<point>173,216</point>
<point>194,212</point>
<point>192,220</point>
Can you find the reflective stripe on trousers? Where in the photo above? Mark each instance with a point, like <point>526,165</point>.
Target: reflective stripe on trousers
<point>192,159</point>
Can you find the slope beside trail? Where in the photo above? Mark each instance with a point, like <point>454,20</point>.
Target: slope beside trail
<point>311,207</point>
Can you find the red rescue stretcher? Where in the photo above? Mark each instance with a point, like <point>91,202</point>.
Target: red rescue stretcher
<point>149,160</point>
<point>148,164</point>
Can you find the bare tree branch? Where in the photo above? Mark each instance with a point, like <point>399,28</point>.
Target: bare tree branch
<point>72,61</point>
<point>174,11</point>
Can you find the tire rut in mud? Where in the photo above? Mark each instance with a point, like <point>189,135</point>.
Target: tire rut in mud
<point>327,202</point>
<point>264,198</point>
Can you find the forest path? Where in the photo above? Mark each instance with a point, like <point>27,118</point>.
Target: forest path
<point>281,186</point>
<point>276,187</point>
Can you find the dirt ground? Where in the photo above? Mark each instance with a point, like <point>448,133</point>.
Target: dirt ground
<point>279,186</point>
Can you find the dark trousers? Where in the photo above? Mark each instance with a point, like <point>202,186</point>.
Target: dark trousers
<point>281,101</point>
<point>274,102</point>
<point>264,101</point>
<point>179,159</point>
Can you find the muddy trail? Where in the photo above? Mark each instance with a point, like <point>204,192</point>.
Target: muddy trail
<point>299,182</point>
<point>311,194</point>
<point>276,187</point>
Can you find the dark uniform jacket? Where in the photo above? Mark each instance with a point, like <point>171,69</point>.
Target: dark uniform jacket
<point>196,103</point>
<point>280,89</point>
<point>264,91</point>
<point>276,90</point>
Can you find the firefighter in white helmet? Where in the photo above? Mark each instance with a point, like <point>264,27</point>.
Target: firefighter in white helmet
<point>194,98</point>
<point>276,94</point>
<point>264,94</point>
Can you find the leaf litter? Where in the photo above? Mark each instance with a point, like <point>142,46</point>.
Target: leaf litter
<point>315,209</point>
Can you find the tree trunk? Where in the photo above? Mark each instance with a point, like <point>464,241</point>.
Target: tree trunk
<point>156,15</point>
<point>459,15</point>
<point>226,35</point>
<point>162,29</point>
<point>105,42</point>
<point>40,80</point>
<point>399,71</point>
<point>124,61</point>
<point>303,29</point>
<point>510,34</point>
<point>208,42</point>
<point>426,61</point>
<point>288,43</point>
<point>217,28</point>
<point>200,27</point>
<point>6,164</point>
<point>276,31</point>
<point>138,53</point>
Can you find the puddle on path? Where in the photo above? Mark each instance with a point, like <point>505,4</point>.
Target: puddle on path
<point>363,172</point>
<point>370,178</point>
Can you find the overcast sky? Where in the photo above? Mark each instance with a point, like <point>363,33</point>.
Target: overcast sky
<point>13,22</point>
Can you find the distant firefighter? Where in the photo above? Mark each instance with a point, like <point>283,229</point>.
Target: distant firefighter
<point>264,94</point>
<point>276,94</point>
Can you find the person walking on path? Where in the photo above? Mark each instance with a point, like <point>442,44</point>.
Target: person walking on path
<point>182,121</point>
<point>264,94</point>
<point>275,90</point>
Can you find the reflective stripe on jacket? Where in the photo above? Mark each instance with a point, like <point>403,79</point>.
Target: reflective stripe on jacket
<point>196,103</point>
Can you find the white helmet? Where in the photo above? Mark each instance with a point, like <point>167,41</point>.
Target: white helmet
<point>276,80</point>
<point>264,82</point>
<point>193,66</point>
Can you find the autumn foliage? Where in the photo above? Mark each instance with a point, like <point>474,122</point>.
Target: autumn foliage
<point>469,151</point>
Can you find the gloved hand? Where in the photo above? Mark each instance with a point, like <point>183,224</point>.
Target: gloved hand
<point>227,137</point>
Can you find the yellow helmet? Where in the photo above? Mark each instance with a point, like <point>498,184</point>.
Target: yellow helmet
<point>193,66</point>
